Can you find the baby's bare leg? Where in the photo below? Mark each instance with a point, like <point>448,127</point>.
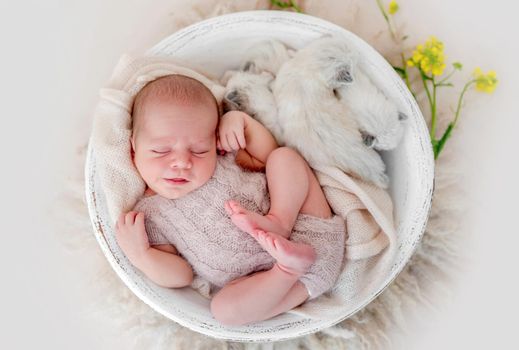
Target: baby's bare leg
<point>258,297</point>
<point>269,293</point>
<point>293,188</point>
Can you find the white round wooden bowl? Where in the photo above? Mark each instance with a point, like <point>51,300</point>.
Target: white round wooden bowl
<point>217,45</point>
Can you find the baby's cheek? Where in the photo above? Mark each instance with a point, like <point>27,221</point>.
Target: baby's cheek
<point>207,167</point>
<point>151,172</point>
<point>140,164</point>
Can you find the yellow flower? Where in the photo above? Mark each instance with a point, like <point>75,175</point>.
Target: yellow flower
<point>485,82</point>
<point>429,57</point>
<point>393,7</point>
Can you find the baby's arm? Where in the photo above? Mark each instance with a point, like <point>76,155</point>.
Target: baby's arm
<point>160,263</point>
<point>238,131</point>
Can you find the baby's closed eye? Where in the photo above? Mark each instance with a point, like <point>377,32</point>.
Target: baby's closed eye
<point>159,152</point>
<point>200,153</point>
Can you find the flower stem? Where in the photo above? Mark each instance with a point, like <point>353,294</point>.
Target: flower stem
<point>458,108</point>
<point>388,21</point>
<point>402,70</point>
<point>429,98</point>
<point>447,77</point>
<point>438,144</point>
<point>433,110</point>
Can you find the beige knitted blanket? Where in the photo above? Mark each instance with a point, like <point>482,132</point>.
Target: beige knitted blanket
<point>366,209</point>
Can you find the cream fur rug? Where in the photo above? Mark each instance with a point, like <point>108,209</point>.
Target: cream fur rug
<point>421,285</point>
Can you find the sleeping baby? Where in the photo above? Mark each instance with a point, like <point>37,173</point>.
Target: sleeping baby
<point>266,241</point>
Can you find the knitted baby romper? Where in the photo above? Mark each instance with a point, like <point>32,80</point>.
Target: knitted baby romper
<point>201,230</point>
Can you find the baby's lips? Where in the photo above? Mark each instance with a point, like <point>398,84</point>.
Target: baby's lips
<point>221,152</point>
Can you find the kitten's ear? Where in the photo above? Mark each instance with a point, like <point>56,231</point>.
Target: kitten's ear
<point>226,76</point>
<point>249,66</point>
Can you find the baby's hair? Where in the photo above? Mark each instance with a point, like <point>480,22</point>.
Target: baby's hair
<point>178,87</point>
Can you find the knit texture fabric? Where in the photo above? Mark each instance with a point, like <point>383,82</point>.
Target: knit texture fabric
<point>218,251</point>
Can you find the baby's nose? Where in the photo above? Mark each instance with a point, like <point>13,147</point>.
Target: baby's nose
<point>181,160</point>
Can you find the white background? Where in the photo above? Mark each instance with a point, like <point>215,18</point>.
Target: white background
<point>56,55</point>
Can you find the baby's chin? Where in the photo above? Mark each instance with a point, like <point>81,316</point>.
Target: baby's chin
<point>177,191</point>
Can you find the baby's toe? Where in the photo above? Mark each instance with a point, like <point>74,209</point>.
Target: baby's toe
<point>272,240</point>
<point>262,238</point>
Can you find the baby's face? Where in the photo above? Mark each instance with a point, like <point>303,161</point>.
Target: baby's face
<point>175,148</point>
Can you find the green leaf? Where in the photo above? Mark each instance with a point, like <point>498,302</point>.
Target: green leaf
<point>280,4</point>
<point>445,84</point>
<point>399,70</point>
<point>286,5</point>
<point>457,65</point>
<point>441,143</point>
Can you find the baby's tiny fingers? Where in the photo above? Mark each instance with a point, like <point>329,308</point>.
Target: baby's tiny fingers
<point>233,141</point>
<point>228,143</point>
<point>139,219</point>
<point>130,218</point>
<point>221,140</point>
<point>241,140</point>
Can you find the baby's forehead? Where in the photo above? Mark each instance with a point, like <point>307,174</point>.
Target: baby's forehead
<point>177,111</point>
<point>194,140</point>
<point>197,128</point>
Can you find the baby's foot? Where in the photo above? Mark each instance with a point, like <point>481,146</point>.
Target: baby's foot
<point>294,258</point>
<point>249,221</point>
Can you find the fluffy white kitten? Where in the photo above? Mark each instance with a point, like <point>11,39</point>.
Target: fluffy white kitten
<point>313,119</point>
<point>319,103</point>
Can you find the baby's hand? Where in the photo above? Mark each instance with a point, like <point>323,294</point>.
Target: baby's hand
<point>131,235</point>
<point>231,133</point>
